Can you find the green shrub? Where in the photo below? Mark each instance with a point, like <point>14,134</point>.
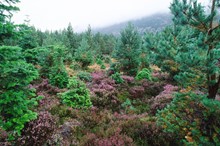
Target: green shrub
<point>99,61</point>
<point>194,119</point>
<point>75,66</point>
<point>15,98</point>
<point>117,77</point>
<point>107,59</point>
<point>84,76</point>
<point>103,66</point>
<point>144,74</point>
<point>54,68</point>
<point>58,77</point>
<point>78,95</point>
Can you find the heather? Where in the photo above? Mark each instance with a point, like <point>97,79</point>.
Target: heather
<point>62,88</point>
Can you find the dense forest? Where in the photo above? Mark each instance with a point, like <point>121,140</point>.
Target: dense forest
<point>62,88</point>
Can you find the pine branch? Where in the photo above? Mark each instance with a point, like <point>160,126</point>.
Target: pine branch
<point>202,28</point>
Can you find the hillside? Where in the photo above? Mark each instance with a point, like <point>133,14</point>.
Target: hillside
<point>151,23</point>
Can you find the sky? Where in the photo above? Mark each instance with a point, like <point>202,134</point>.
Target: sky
<point>57,14</point>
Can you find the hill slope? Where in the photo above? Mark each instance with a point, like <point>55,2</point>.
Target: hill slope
<point>151,23</point>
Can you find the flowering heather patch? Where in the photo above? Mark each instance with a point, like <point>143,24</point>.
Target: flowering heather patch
<point>128,79</point>
<point>47,91</point>
<point>38,131</point>
<point>160,101</point>
<point>103,90</point>
<point>137,91</point>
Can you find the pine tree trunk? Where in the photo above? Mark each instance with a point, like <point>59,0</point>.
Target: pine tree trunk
<point>213,89</point>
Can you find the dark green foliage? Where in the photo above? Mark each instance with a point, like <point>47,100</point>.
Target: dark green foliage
<point>75,65</point>
<point>15,98</point>
<point>58,77</point>
<point>27,37</point>
<point>77,96</point>
<point>7,29</point>
<point>193,119</point>
<point>144,74</point>
<point>83,53</point>
<point>206,24</point>
<point>36,56</point>
<point>84,76</point>
<point>117,77</point>
<point>72,42</point>
<point>128,50</point>
<point>51,64</point>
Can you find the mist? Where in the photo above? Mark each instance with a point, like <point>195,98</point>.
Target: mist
<point>55,15</point>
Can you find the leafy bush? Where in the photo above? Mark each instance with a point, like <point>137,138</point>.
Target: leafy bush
<point>38,131</point>
<point>144,74</point>
<point>78,95</point>
<point>84,76</point>
<point>16,99</point>
<point>193,118</point>
<point>117,77</point>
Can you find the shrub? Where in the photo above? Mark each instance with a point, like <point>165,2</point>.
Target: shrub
<point>114,67</point>
<point>117,77</point>
<point>137,91</point>
<point>84,76</point>
<point>144,74</point>
<point>16,99</point>
<point>58,77</point>
<point>103,66</point>
<point>97,77</point>
<point>194,119</point>
<point>77,96</point>
<point>104,92</point>
<point>38,131</point>
<point>116,139</point>
<point>165,97</point>
<point>75,66</point>
<point>128,79</point>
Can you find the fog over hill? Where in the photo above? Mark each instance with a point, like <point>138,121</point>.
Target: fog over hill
<point>151,23</point>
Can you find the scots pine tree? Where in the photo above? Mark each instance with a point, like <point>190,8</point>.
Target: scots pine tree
<point>129,49</point>
<point>72,42</point>
<point>205,22</point>
<point>83,53</point>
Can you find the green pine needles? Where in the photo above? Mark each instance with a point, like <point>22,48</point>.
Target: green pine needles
<point>128,51</point>
<point>144,74</point>
<point>78,95</point>
<point>193,119</point>
<point>16,99</point>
